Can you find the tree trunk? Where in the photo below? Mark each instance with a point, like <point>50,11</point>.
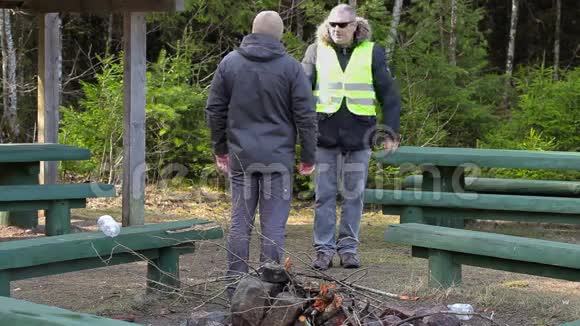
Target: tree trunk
<point>453,36</point>
<point>9,117</point>
<point>352,3</point>
<point>509,69</point>
<point>109,40</point>
<point>557,39</point>
<point>393,30</point>
<point>300,23</point>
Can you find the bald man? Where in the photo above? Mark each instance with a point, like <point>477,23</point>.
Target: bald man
<point>259,102</point>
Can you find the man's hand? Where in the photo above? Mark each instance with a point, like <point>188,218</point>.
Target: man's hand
<point>223,163</point>
<point>305,168</point>
<point>390,144</point>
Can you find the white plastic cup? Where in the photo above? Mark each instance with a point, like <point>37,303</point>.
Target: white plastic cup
<point>109,226</point>
<point>461,308</point>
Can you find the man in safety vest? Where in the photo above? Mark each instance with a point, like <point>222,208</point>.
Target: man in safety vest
<point>350,79</point>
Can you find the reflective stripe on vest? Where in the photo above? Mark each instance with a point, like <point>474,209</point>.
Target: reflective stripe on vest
<point>355,83</point>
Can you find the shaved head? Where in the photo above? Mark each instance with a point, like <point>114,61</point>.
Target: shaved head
<point>268,22</point>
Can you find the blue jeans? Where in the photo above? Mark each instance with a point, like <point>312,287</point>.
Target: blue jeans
<point>272,193</point>
<point>345,173</point>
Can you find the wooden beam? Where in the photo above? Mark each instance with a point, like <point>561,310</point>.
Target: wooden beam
<point>19,312</point>
<point>451,201</point>
<point>486,244</point>
<point>134,120</point>
<point>46,6</point>
<point>61,248</point>
<point>49,72</point>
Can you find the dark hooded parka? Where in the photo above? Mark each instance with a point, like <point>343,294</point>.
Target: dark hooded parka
<point>260,101</point>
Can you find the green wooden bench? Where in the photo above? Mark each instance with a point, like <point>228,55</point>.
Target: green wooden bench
<point>573,323</point>
<point>445,201</point>
<point>509,186</point>
<point>24,313</point>
<point>451,209</point>
<point>161,244</point>
<point>449,248</point>
<point>20,165</point>
<point>57,200</point>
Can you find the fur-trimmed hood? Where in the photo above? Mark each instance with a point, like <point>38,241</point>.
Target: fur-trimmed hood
<point>363,32</point>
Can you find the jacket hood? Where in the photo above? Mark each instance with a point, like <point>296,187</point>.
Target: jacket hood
<point>363,32</point>
<point>261,47</point>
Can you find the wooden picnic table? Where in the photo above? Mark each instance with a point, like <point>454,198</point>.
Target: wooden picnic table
<point>443,168</point>
<point>20,165</point>
<point>432,217</point>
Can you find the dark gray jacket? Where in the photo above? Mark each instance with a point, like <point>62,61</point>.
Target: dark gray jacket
<point>344,129</point>
<point>260,101</point>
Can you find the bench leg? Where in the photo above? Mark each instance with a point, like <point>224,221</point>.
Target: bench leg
<point>5,283</point>
<point>444,179</point>
<point>58,218</point>
<point>443,271</point>
<point>163,272</point>
<point>412,215</point>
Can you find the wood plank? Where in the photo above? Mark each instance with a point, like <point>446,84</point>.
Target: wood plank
<point>473,201</point>
<point>509,186</point>
<point>508,265</point>
<point>134,86</point>
<point>513,159</point>
<point>20,153</point>
<point>24,313</point>
<point>38,251</point>
<point>68,266</point>
<point>55,192</point>
<point>49,71</point>
<point>80,264</point>
<point>484,214</point>
<point>573,323</point>
<point>38,205</point>
<point>89,6</point>
<point>486,244</point>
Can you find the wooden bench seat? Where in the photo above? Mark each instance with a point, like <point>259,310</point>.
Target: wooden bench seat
<point>448,248</point>
<point>24,313</point>
<point>56,199</point>
<point>160,243</point>
<point>419,206</point>
<point>509,186</point>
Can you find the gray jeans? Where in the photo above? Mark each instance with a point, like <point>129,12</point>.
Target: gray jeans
<point>273,193</point>
<point>345,173</point>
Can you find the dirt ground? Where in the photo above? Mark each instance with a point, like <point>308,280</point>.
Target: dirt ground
<point>119,291</point>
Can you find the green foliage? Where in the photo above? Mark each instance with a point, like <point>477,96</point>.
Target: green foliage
<point>98,123</point>
<point>175,128</point>
<point>442,102</point>
<point>547,118</point>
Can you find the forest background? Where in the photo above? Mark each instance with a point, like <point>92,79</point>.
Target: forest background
<point>472,73</point>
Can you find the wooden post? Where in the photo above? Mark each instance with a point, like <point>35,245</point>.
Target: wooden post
<point>58,218</point>
<point>444,179</point>
<point>134,119</point>
<point>443,271</point>
<point>49,73</point>
<point>163,272</point>
<point>5,279</point>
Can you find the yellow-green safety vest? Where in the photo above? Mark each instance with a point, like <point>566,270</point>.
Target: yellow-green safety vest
<point>355,83</point>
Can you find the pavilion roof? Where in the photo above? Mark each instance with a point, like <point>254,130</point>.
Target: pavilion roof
<point>88,6</point>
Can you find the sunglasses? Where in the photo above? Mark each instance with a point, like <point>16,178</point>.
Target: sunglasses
<point>341,25</point>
